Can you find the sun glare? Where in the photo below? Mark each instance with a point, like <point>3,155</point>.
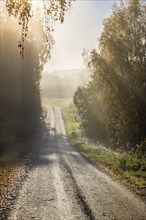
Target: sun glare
<point>35,3</point>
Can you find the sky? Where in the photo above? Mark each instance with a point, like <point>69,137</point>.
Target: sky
<point>81,29</point>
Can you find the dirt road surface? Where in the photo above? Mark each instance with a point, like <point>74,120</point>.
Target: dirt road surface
<point>64,186</point>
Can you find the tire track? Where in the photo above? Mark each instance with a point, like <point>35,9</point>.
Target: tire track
<point>63,186</point>
<point>80,195</point>
<point>101,196</point>
<point>69,206</point>
<point>78,191</point>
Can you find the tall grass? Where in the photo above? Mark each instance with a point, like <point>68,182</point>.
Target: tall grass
<point>129,166</point>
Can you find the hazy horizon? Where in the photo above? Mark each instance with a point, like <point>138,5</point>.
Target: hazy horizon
<point>81,29</point>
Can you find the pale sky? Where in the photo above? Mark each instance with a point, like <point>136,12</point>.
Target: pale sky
<point>81,29</point>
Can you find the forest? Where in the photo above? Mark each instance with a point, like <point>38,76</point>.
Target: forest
<point>24,51</point>
<point>20,103</point>
<point>72,141</point>
<point>112,106</point>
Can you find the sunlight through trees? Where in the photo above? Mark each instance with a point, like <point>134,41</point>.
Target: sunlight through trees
<point>23,10</point>
<point>113,103</point>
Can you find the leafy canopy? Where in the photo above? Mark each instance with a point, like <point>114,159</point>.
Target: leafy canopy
<point>23,10</point>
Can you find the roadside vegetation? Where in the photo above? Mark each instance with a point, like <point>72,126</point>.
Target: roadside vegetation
<point>107,122</point>
<point>130,166</point>
<point>62,102</point>
<point>20,103</point>
<point>11,161</point>
<point>111,107</point>
<point>21,112</point>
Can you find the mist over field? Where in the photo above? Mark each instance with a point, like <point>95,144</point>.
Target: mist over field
<point>72,109</point>
<point>62,83</point>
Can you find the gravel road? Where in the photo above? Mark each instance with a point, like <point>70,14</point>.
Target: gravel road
<point>63,186</point>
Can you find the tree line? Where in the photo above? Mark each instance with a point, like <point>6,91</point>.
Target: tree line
<point>20,103</point>
<point>112,105</point>
<point>60,85</point>
<point>24,29</point>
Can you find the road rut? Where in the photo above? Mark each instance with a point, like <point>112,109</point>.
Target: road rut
<point>63,185</point>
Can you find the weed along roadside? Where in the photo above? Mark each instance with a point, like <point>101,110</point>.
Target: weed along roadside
<point>72,110</point>
<point>127,166</point>
<point>15,163</point>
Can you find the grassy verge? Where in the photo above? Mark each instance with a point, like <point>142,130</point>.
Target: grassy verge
<point>64,102</point>
<point>9,166</point>
<point>11,160</point>
<point>128,166</point>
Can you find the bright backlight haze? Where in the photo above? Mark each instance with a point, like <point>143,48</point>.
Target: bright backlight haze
<point>81,29</point>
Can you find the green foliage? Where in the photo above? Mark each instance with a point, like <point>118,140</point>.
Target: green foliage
<point>11,161</point>
<point>86,103</point>
<point>52,11</point>
<point>126,165</point>
<point>113,103</point>
<point>20,104</point>
<point>141,149</point>
<point>62,102</point>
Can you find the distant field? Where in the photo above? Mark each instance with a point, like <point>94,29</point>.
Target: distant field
<point>62,102</point>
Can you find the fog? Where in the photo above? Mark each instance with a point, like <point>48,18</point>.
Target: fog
<point>62,83</point>
<point>20,105</point>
